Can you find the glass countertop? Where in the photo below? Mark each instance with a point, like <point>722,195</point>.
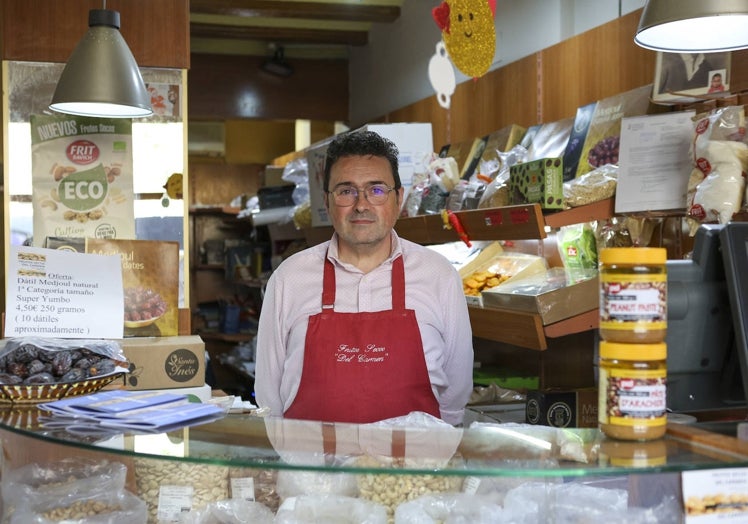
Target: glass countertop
<point>417,444</point>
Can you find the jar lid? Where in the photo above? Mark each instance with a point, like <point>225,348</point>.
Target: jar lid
<point>633,255</point>
<point>621,351</point>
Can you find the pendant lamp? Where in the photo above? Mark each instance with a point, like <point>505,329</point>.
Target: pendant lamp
<point>101,77</point>
<point>691,26</point>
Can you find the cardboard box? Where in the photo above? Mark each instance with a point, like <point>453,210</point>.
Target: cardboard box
<point>164,362</point>
<point>538,181</point>
<point>413,140</point>
<point>562,408</point>
<point>555,294</point>
<point>493,259</point>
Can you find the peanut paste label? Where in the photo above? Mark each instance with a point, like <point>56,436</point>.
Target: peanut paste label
<point>626,300</point>
<point>632,398</point>
<point>82,177</point>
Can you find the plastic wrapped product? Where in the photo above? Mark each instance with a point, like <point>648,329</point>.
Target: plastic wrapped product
<point>312,509</point>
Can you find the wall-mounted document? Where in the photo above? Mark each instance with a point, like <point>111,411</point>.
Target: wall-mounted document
<point>654,164</point>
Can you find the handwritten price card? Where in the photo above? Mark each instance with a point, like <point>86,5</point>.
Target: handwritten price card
<point>62,294</point>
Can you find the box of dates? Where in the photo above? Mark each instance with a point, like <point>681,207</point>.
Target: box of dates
<point>596,134</point>
<point>164,362</point>
<point>150,276</point>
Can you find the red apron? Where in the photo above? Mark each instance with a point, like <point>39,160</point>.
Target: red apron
<point>363,367</point>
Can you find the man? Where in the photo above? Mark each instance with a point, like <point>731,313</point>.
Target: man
<point>365,326</point>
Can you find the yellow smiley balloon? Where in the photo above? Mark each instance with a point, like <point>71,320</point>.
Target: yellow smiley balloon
<point>470,36</point>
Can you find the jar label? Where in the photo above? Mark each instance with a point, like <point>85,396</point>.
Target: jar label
<point>633,397</point>
<point>633,299</point>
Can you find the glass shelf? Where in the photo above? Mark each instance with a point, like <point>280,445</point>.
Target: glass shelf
<point>502,450</point>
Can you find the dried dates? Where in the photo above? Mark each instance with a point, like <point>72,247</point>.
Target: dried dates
<point>143,304</point>
<point>30,365</point>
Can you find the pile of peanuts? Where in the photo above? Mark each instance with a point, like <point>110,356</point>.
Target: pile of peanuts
<point>80,510</point>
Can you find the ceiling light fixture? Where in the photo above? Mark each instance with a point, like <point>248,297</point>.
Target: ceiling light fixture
<point>690,26</point>
<point>277,65</point>
<point>101,78</point>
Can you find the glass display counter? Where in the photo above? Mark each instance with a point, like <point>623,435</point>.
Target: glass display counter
<point>420,466</point>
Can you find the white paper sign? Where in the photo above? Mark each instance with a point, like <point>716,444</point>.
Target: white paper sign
<point>715,495</point>
<point>654,165</point>
<point>62,294</point>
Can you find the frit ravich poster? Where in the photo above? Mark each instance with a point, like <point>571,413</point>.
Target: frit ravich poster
<point>82,177</point>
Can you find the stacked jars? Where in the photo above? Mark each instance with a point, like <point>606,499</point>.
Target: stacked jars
<point>633,354</point>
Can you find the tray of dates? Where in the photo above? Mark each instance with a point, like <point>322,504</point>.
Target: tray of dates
<point>34,370</point>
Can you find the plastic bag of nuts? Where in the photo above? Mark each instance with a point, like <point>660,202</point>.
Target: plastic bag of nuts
<point>113,508</point>
<point>415,441</point>
<point>168,487</point>
<point>393,489</point>
<point>254,484</point>
<point>61,481</point>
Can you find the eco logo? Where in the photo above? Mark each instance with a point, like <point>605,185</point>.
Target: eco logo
<point>84,190</point>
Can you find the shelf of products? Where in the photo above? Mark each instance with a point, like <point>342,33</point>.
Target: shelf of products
<point>486,465</point>
<point>519,222</point>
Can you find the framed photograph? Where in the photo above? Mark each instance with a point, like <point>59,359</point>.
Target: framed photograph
<point>687,77</point>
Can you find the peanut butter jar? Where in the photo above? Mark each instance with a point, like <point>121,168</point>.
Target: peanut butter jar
<point>632,390</point>
<point>633,295</point>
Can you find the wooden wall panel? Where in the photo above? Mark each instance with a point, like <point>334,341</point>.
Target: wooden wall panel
<point>157,31</point>
<point>226,87</point>
<point>597,64</point>
<point>499,98</point>
<point>543,87</point>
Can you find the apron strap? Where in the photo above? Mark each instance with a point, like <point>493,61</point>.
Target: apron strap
<point>328,285</point>
<point>398,285</point>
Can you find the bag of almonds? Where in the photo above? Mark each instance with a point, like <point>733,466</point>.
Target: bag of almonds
<point>170,488</point>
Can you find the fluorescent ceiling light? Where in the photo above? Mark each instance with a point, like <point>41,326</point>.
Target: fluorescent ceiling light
<point>101,78</point>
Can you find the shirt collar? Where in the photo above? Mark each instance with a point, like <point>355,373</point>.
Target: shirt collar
<point>332,249</point>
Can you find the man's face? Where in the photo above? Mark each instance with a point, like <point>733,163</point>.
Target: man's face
<point>363,224</point>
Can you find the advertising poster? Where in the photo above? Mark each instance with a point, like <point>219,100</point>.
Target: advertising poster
<point>82,177</point>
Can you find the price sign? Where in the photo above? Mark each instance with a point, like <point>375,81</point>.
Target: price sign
<point>62,294</point>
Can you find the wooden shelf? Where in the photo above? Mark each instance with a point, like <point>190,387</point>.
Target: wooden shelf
<point>526,329</point>
<point>525,222</point>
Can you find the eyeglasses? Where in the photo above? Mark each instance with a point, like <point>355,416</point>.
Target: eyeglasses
<point>375,194</point>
